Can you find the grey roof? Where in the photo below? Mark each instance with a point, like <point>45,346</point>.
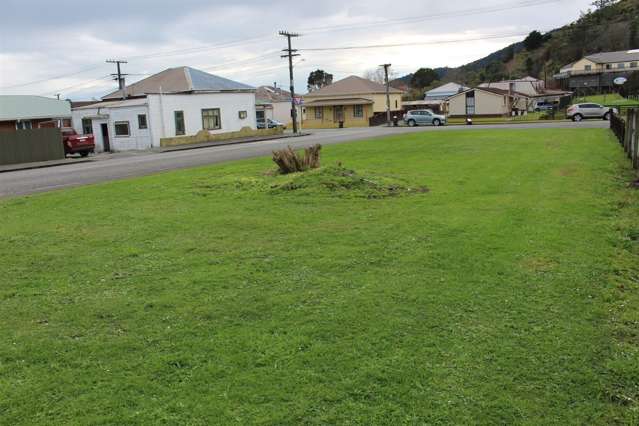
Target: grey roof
<point>619,56</point>
<point>26,107</point>
<point>270,94</point>
<point>180,80</point>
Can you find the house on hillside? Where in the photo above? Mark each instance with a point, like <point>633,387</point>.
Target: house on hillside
<point>274,103</point>
<point>31,112</point>
<point>179,101</point>
<point>487,102</point>
<point>595,73</point>
<point>353,102</point>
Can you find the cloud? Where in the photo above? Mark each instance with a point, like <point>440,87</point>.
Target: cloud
<point>43,39</point>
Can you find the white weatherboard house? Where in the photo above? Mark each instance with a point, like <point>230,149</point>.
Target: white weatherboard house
<point>176,102</point>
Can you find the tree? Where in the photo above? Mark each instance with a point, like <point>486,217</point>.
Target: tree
<point>377,75</point>
<point>318,79</point>
<point>509,53</point>
<point>631,86</point>
<point>534,40</point>
<point>530,65</point>
<point>423,77</point>
<point>600,4</point>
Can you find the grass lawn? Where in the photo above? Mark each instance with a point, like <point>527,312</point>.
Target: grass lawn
<point>611,99</point>
<point>506,294</point>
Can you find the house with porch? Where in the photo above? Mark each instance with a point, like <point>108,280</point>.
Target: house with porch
<point>596,73</point>
<point>179,101</point>
<point>351,102</point>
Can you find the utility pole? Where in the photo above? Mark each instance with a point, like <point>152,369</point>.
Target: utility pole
<point>388,105</point>
<point>57,95</point>
<point>290,53</point>
<point>119,77</point>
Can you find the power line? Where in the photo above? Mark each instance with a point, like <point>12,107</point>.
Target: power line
<point>53,78</point>
<point>422,43</point>
<point>429,17</point>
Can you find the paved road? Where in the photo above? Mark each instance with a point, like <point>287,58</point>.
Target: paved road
<point>120,166</point>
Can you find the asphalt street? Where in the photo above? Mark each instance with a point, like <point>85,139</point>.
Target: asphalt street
<point>109,167</point>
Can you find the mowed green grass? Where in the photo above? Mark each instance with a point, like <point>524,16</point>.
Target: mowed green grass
<point>610,99</point>
<point>507,294</point>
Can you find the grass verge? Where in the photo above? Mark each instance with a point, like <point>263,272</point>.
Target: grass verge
<point>507,293</point>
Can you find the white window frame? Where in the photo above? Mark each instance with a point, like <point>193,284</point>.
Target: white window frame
<point>115,129</point>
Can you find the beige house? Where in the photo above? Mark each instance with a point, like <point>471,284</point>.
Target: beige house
<point>351,102</point>
<point>597,72</point>
<point>487,102</point>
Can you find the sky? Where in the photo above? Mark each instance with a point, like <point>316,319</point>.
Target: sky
<point>49,48</point>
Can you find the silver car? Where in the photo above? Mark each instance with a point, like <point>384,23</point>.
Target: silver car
<point>578,112</point>
<point>423,117</point>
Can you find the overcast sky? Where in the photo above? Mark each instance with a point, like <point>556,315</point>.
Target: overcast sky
<point>60,47</point>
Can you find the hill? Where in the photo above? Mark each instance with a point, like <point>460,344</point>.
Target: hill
<point>614,26</point>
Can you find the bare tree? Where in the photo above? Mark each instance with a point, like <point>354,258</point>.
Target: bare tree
<point>377,75</point>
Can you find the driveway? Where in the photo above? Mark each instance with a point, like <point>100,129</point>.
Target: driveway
<point>120,166</point>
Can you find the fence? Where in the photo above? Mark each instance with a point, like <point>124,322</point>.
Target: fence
<point>29,146</point>
<point>627,132</point>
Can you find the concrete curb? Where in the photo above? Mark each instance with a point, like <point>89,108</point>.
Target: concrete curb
<point>40,165</point>
<point>229,142</point>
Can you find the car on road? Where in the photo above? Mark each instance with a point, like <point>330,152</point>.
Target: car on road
<point>544,106</point>
<point>424,117</point>
<point>270,124</point>
<point>578,112</point>
<point>77,144</point>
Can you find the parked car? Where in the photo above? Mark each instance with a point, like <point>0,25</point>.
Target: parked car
<point>544,106</point>
<point>77,144</point>
<point>578,112</point>
<point>270,124</point>
<point>423,117</point>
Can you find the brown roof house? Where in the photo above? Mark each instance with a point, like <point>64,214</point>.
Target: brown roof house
<point>350,102</point>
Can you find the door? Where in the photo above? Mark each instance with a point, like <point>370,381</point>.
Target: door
<point>104,127</point>
<point>427,117</point>
<point>338,113</point>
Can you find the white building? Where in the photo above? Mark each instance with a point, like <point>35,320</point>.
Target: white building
<point>176,102</point>
<point>274,103</point>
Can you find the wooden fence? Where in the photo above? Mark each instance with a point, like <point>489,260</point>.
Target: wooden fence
<point>29,146</point>
<point>627,132</point>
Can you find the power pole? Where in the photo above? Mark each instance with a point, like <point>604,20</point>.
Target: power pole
<point>119,77</point>
<point>388,105</point>
<point>290,53</point>
<point>57,95</point>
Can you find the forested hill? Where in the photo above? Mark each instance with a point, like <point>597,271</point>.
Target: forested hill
<point>610,27</point>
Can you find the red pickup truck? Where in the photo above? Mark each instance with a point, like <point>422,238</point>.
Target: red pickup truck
<point>77,144</point>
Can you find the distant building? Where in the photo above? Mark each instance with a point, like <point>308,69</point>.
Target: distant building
<point>31,112</point>
<point>487,102</point>
<point>595,73</point>
<point>533,88</point>
<point>274,103</point>
<point>353,102</point>
<point>444,92</point>
<point>176,102</point>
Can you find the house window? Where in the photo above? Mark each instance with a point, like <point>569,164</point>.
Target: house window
<point>319,113</point>
<point>588,67</point>
<point>87,126</point>
<point>608,66</point>
<point>243,115</point>
<point>179,123</point>
<point>142,121</point>
<point>396,104</point>
<point>211,119</point>
<point>470,103</point>
<point>23,125</point>
<point>358,111</point>
<point>633,65</point>
<point>621,65</point>
<point>122,128</point>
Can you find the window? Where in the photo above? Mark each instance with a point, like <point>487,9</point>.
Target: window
<point>121,128</point>
<point>470,103</point>
<point>358,111</point>
<point>633,65</point>
<point>23,125</point>
<point>587,67</point>
<point>211,119</point>
<point>87,126</point>
<point>621,65</point>
<point>179,123</point>
<point>396,104</point>
<point>319,113</point>
<point>142,121</point>
<point>608,66</point>
<point>243,115</point>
